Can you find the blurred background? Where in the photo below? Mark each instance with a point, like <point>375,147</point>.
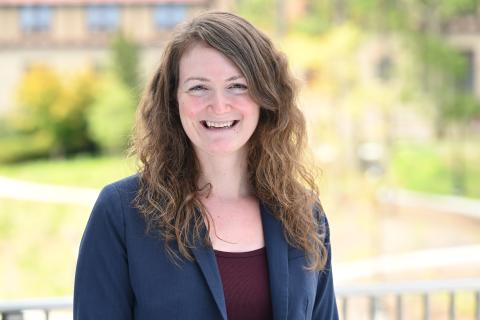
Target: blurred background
<point>391,93</point>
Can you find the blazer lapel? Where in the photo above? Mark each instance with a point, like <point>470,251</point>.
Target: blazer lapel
<point>205,258</point>
<point>277,256</point>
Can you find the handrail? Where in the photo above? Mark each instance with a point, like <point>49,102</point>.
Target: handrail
<point>343,292</point>
<point>36,304</point>
<point>375,293</point>
<point>408,287</point>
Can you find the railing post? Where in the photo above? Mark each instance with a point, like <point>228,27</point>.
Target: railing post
<point>426,306</point>
<point>399,307</point>
<point>477,305</point>
<point>374,306</point>
<point>451,308</point>
<point>12,315</point>
<point>344,308</point>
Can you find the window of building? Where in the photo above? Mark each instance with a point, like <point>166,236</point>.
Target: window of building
<point>169,15</point>
<point>103,17</point>
<point>384,68</point>
<point>35,18</point>
<point>467,82</point>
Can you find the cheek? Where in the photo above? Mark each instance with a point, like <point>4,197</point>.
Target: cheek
<point>189,108</point>
<point>254,112</point>
<point>189,113</point>
<point>247,105</point>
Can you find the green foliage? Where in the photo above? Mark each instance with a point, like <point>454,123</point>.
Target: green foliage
<point>39,250</point>
<point>449,8</point>
<point>460,109</point>
<point>71,110</point>
<point>70,115</point>
<point>317,19</point>
<point>39,88</point>
<point>54,107</point>
<point>436,67</point>
<point>439,56</point>
<point>328,59</point>
<point>111,116</point>
<point>385,16</point>
<point>20,147</point>
<point>259,12</point>
<point>53,115</point>
<point>440,76</point>
<point>431,167</point>
<point>125,62</point>
<point>71,171</point>
<point>421,168</point>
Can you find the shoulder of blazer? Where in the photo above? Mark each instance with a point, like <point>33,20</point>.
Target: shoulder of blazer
<point>127,185</point>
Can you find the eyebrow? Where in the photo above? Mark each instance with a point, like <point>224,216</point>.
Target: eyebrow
<point>235,78</point>
<point>206,80</point>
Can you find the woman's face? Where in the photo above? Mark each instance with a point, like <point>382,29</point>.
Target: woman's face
<point>216,110</point>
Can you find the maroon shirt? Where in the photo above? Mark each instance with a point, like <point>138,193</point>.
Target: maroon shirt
<point>245,284</point>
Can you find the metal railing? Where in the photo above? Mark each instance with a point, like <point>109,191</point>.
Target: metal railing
<point>375,293</point>
<point>14,310</point>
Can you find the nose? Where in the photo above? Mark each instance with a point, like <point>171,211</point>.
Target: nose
<point>220,103</point>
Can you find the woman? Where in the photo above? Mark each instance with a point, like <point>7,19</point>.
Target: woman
<point>218,223</point>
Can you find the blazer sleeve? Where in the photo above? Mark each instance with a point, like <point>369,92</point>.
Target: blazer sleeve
<point>325,306</point>
<point>102,287</point>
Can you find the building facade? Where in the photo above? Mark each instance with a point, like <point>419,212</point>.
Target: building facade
<point>464,34</point>
<point>71,34</point>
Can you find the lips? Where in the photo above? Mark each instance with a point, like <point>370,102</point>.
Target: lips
<point>219,124</point>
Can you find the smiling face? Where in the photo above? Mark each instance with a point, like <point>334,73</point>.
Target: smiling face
<point>216,110</point>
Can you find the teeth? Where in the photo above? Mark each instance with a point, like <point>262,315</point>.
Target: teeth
<point>220,124</point>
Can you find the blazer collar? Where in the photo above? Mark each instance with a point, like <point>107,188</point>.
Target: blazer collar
<point>277,256</point>
<point>205,258</point>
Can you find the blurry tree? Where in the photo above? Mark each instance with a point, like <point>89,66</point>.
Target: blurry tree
<point>260,12</point>
<point>415,29</point>
<point>81,112</point>
<point>55,108</point>
<point>111,116</point>
<point>327,63</point>
<point>320,16</point>
<point>70,111</point>
<point>125,63</point>
<point>443,71</point>
<point>39,88</point>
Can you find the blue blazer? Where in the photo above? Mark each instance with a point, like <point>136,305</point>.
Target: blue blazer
<point>122,273</point>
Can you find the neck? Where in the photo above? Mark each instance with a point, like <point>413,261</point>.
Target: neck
<point>227,175</point>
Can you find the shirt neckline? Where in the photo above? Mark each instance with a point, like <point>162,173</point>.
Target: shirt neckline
<point>242,254</point>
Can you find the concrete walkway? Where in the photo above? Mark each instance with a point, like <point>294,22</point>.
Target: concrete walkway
<point>448,257</point>
<point>343,272</point>
<point>441,203</point>
<point>26,190</point>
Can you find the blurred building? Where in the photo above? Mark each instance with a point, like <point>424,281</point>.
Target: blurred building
<point>464,34</point>
<point>70,34</point>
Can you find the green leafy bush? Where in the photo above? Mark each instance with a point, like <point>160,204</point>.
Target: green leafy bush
<point>53,106</point>
<point>110,118</point>
<point>18,147</point>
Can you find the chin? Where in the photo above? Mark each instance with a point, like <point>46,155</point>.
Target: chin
<point>224,149</point>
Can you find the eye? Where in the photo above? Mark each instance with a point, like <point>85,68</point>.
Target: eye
<point>239,87</point>
<point>197,88</point>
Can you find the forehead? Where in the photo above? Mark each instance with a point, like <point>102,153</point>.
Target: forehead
<point>205,61</point>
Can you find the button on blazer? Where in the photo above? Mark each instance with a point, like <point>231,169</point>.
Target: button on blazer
<point>123,273</point>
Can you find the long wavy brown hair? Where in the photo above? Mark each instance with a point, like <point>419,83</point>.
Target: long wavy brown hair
<point>168,194</point>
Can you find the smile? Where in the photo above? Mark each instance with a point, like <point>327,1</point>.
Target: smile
<point>219,124</point>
